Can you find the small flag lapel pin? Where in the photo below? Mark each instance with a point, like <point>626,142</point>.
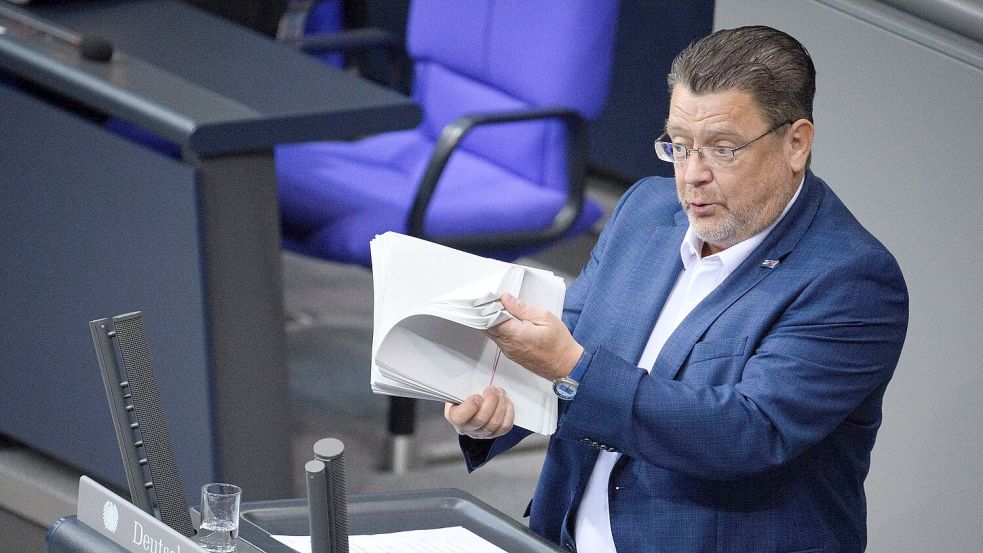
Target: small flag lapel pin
<point>770,263</point>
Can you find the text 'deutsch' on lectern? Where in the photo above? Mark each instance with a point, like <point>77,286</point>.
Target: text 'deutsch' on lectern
<point>91,223</point>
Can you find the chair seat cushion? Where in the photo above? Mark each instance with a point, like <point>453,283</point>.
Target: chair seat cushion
<point>336,196</point>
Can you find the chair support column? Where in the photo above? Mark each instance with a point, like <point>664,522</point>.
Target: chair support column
<point>402,423</point>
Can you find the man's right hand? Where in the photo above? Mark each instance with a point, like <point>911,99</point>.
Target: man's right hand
<point>484,417</point>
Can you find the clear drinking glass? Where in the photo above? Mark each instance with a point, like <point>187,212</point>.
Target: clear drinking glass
<point>219,517</point>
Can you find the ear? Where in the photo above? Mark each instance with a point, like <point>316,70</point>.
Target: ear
<point>800,143</point>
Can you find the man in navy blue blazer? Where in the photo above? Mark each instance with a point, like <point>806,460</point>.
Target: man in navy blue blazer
<point>723,356</point>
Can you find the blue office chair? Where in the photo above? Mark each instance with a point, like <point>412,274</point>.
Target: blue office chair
<point>313,18</point>
<point>496,166</point>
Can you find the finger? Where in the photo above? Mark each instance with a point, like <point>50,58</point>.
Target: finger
<point>489,402</point>
<point>515,306</point>
<point>509,417</point>
<point>477,426</point>
<point>508,420</point>
<point>502,329</point>
<point>498,418</point>
<point>524,311</point>
<point>459,415</point>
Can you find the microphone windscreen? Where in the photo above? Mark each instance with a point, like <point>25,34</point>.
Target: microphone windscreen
<point>96,49</point>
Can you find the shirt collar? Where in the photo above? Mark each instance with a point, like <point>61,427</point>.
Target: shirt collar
<point>733,256</point>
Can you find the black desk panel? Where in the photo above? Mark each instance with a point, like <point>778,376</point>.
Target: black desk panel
<point>93,225</point>
<point>227,96</point>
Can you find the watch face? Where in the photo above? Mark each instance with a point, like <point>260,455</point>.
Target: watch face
<point>565,388</point>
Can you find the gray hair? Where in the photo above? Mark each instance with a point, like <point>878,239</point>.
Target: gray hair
<point>771,66</point>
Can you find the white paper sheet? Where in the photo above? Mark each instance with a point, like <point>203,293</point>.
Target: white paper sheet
<point>455,539</point>
<point>432,306</point>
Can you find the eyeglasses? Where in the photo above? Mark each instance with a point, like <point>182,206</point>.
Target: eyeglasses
<point>714,156</point>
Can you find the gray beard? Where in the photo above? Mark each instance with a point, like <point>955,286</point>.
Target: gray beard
<point>722,236</point>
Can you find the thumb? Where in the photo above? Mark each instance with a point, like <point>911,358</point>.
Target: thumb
<point>518,308</point>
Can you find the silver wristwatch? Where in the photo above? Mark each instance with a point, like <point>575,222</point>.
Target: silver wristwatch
<point>565,388</point>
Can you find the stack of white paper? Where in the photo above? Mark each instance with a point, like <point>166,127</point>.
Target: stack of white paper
<point>432,306</point>
<point>455,539</point>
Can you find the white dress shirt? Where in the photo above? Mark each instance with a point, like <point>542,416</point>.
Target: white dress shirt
<point>699,277</point>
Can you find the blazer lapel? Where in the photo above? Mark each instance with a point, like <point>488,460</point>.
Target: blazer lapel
<point>652,277</point>
<point>775,247</point>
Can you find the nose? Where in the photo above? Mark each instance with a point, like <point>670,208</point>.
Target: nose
<point>695,171</point>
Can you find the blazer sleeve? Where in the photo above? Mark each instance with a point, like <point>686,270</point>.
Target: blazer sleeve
<point>478,452</point>
<point>837,343</point>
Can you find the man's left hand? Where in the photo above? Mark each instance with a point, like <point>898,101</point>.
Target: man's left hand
<point>536,339</point>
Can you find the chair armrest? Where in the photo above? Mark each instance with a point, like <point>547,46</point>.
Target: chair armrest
<point>357,41</point>
<point>451,137</point>
<point>350,40</point>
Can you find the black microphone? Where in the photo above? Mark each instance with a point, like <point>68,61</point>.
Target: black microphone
<point>96,49</point>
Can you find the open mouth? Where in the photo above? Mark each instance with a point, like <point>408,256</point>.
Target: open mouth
<point>700,209</point>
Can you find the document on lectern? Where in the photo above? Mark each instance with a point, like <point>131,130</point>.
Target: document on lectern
<point>432,307</point>
<point>455,539</point>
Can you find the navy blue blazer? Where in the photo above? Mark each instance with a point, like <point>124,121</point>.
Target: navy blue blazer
<point>754,429</point>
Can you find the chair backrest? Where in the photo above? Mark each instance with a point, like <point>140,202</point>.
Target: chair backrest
<point>325,16</point>
<point>495,55</point>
